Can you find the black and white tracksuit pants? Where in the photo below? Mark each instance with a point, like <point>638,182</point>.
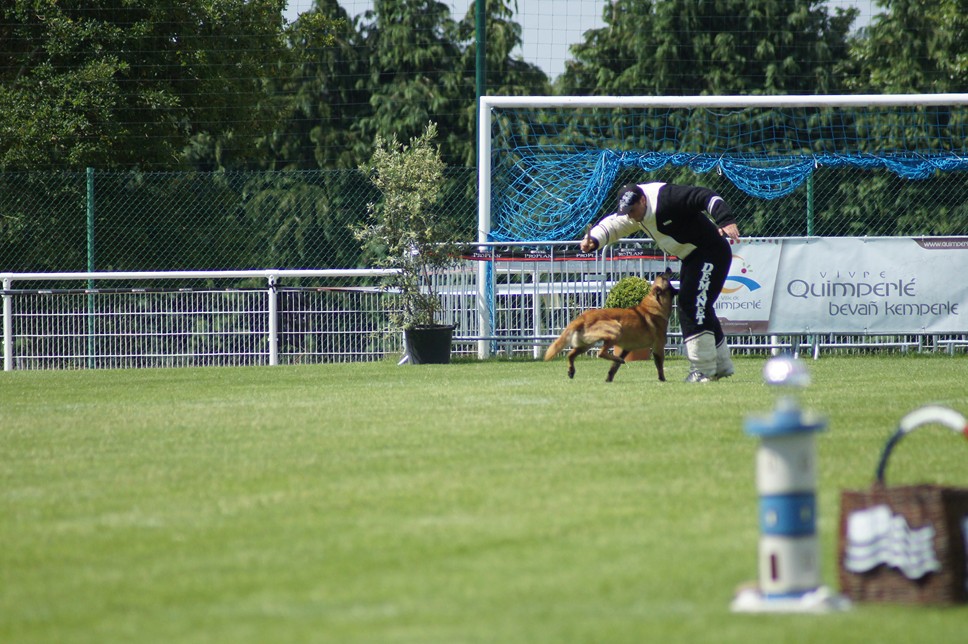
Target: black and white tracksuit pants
<point>701,280</point>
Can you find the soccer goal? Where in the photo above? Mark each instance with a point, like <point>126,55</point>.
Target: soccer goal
<point>549,166</point>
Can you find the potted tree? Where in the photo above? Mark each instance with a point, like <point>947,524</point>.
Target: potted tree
<point>405,232</point>
<point>626,293</point>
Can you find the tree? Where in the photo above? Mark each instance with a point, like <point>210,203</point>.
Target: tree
<point>505,74</point>
<point>910,47</point>
<point>421,68</point>
<point>914,46</point>
<point>413,72</point>
<point>692,47</point>
<point>110,83</point>
<point>689,47</point>
<point>322,94</point>
<point>306,215</point>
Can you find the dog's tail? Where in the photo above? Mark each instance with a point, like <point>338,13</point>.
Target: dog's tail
<point>562,341</point>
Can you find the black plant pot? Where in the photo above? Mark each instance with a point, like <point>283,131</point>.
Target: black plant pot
<point>428,344</point>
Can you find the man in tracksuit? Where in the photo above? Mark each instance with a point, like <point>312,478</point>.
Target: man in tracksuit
<point>675,217</point>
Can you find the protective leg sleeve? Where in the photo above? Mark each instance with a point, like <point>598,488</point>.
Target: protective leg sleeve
<point>701,352</point>
<point>724,363</point>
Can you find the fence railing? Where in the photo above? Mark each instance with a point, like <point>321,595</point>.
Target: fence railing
<point>192,318</point>
<point>269,317</point>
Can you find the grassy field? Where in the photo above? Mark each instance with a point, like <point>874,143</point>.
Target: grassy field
<point>471,502</point>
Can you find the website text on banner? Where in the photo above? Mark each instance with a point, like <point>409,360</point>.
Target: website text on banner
<point>847,285</point>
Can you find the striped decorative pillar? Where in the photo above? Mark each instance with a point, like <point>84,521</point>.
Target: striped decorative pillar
<point>786,481</point>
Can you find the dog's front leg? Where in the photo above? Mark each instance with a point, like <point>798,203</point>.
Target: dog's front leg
<point>619,361</point>
<point>658,357</point>
<point>605,354</point>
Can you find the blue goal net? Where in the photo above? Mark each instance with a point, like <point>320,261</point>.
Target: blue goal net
<point>554,168</point>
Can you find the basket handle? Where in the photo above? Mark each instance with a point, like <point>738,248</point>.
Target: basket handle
<point>921,416</point>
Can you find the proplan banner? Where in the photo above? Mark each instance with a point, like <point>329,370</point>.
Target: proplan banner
<point>847,285</point>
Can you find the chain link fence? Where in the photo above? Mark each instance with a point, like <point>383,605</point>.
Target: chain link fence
<point>134,221</point>
<point>124,222</point>
<point>166,221</point>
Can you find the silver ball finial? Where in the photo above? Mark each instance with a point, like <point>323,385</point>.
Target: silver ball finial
<point>785,371</point>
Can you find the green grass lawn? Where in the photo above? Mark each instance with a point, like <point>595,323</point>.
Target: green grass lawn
<point>488,501</point>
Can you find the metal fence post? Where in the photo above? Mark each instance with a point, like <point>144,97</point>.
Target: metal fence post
<point>90,269</point>
<point>7,326</point>
<point>273,322</point>
<point>810,205</point>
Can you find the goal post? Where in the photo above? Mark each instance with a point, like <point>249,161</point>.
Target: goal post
<point>547,164</point>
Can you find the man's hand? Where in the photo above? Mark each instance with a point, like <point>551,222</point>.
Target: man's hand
<point>731,231</point>
<point>588,244</point>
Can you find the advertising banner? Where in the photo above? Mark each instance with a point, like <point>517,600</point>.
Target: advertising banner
<point>881,285</point>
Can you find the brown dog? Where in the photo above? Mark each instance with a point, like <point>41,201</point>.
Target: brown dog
<point>639,327</point>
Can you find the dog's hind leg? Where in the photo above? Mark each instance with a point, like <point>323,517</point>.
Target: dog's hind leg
<point>571,360</point>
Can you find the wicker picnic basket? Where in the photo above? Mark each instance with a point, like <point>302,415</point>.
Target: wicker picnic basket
<point>906,544</point>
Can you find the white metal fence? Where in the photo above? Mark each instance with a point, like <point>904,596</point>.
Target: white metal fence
<point>176,319</point>
<point>199,318</point>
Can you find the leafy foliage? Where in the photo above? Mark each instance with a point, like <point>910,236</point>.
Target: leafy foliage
<point>111,83</point>
<point>914,46</point>
<point>683,47</point>
<point>627,292</point>
<point>225,85</point>
<point>405,229</point>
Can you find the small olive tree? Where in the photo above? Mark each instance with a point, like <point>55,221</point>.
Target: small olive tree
<point>404,230</point>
